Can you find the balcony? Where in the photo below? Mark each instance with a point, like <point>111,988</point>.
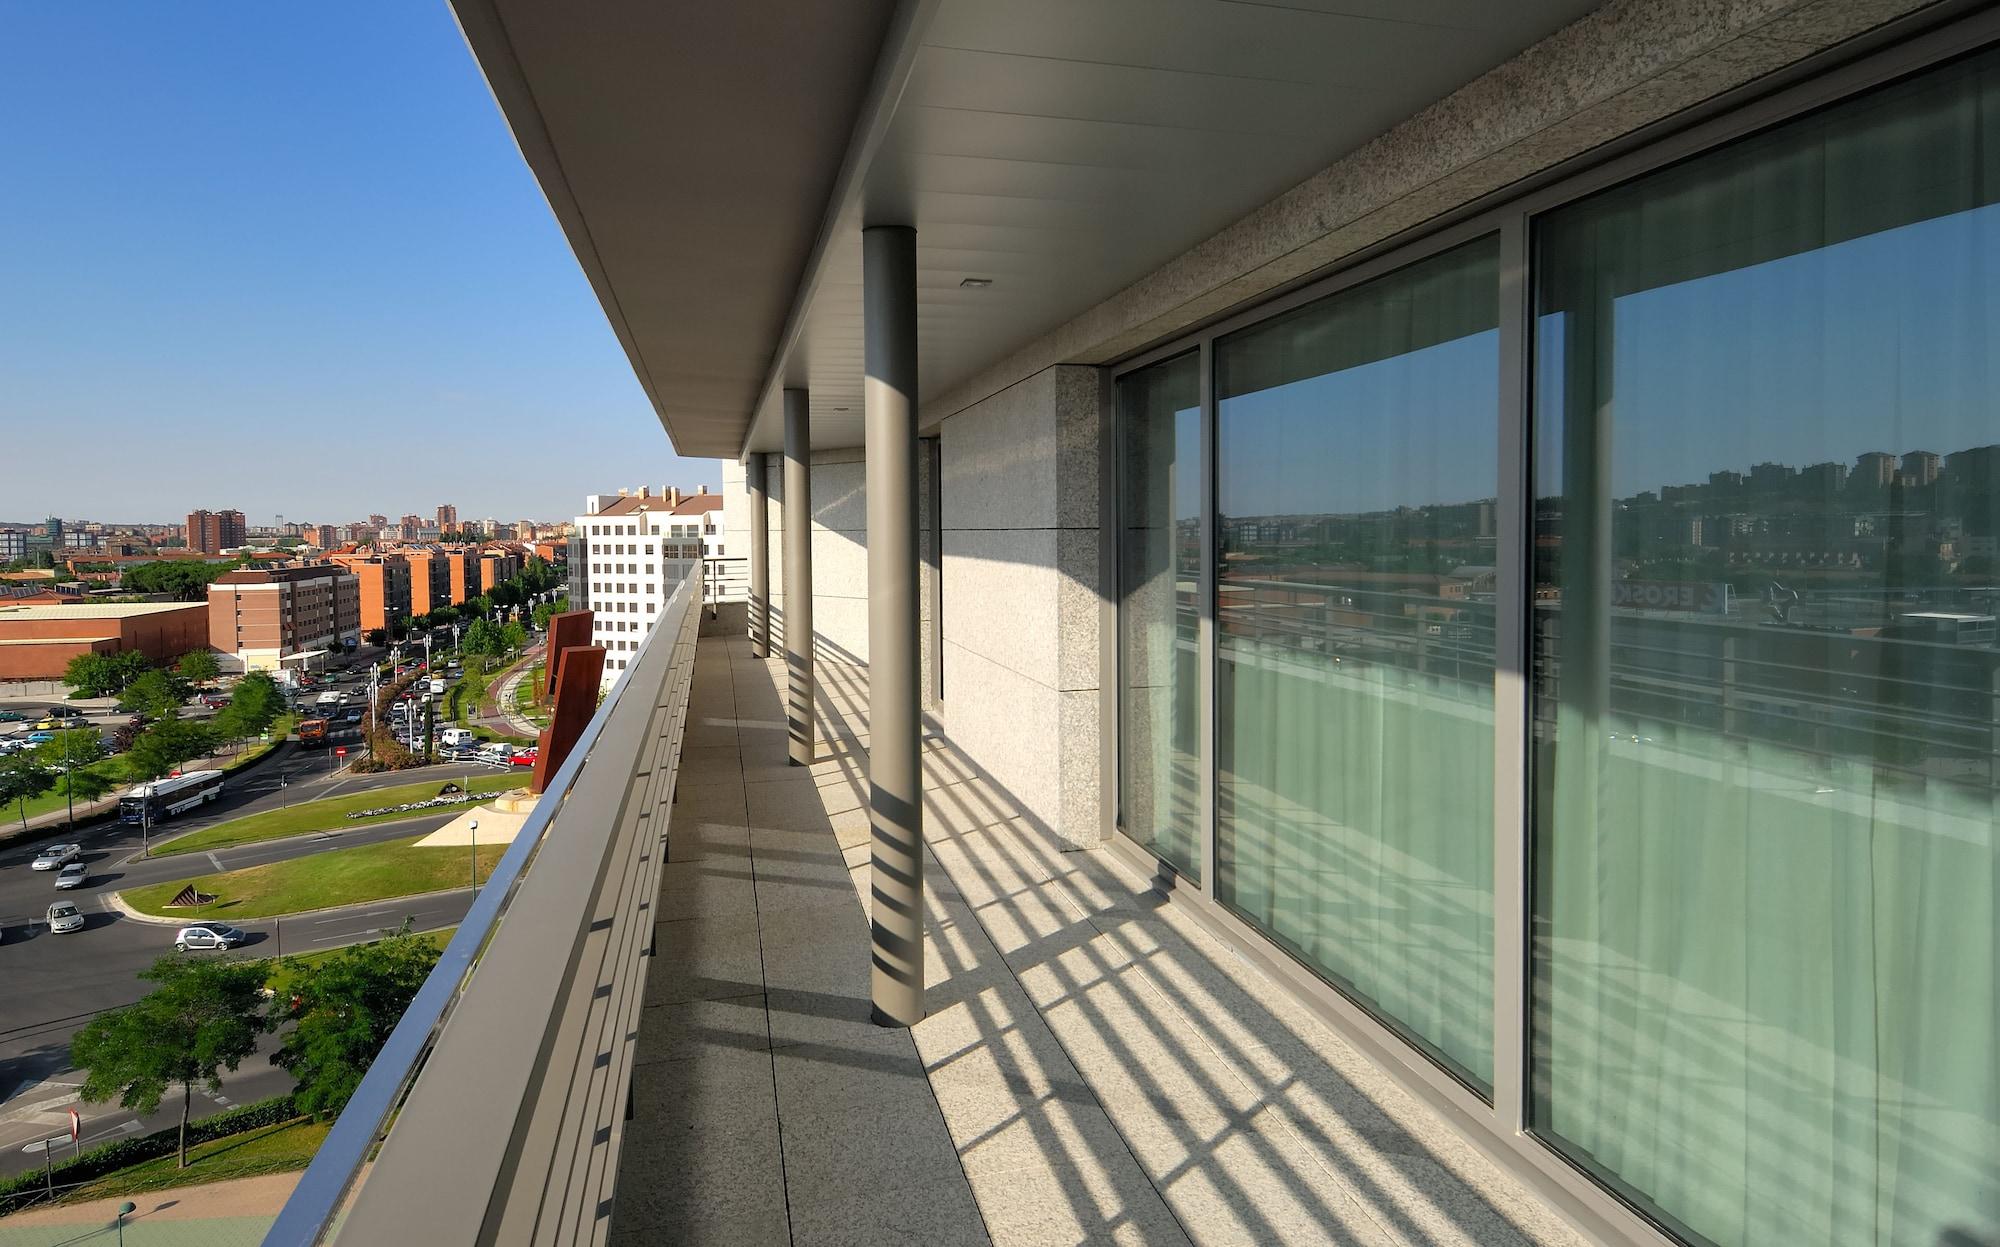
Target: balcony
<point>654,1027</point>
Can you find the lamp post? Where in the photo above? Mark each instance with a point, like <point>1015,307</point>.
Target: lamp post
<point>473,827</point>
<point>125,1209</point>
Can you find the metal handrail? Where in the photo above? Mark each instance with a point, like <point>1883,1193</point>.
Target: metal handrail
<point>324,1187</point>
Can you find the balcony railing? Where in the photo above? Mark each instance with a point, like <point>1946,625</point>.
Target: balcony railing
<point>498,1103</point>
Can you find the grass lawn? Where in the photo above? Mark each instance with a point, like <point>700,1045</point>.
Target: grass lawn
<point>524,695</point>
<point>328,815</point>
<point>267,1149</point>
<point>372,872</point>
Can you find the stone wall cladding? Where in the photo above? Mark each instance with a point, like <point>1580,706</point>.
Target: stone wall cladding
<point>1021,594</point>
<point>840,555</point>
<point>1625,66</point>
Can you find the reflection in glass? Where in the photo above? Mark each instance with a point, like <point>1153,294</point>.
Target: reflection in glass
<point>1766,685</point>
<point>1159,489</point>
<point>1356,467</point>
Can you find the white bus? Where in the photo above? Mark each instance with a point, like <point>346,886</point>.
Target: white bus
<point>164,798</point>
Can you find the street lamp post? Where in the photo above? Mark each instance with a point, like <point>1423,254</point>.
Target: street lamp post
<point>125,1209</point>
<point>473,827</point>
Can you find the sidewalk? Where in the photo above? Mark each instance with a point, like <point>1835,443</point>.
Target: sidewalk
<point>215,1214</point>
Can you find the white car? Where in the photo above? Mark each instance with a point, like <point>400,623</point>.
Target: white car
<point>56,855</point>
<point>65,916</point>
<point>208,935</point>
<point>73,875</point>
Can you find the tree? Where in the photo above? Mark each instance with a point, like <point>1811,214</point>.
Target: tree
<point>68,756</point>
<point>480,606</point>
<point>204,1017</point>
<point>443,617</point>
<point>199,666</point>
<point>184,580</point>
<point>22,779</point>
<point>156,694</point>
<point>378,637</point>
<point>343,1012</point>
<point>514,636</point>
<point>257,702</point>
<point>167,744</point>
<point>483,639</point>
<point>544,611</point>
<point>93,675</point>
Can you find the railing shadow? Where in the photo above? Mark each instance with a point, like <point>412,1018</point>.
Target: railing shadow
<point>1081,991</point>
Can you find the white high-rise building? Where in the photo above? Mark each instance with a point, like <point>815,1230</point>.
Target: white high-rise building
<point>634,549</point>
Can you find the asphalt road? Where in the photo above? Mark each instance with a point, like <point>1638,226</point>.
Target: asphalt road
<point>50,985</point>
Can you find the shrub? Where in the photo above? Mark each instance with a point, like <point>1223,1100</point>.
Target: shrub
<point>28,1189</point>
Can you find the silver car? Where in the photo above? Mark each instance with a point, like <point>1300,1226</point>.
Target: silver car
<point>65,916</point>
<point>208,935</point>
<point>72,875</point>
<point>56,855</point>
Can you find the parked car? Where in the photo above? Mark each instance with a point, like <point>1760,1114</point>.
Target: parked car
<point>214,701</point>
<point>208,935</point>
<point>65,712</point>
<point>526,757</point>
<point>72,876</point>
<point>14,716</point>
<point>65,916</point>
<point>56,855</point>
<point>39,737</point>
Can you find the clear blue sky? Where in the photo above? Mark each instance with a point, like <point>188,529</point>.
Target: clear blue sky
<point>286,258</point>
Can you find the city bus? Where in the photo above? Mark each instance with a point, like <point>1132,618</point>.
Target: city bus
<point>164,798</point>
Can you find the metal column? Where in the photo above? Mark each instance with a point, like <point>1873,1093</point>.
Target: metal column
<point>760,557</point>
<point>798,578</point>
<point>895,802</point>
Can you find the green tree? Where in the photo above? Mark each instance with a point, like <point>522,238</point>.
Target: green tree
<point>343,1011</point>
<point>544,611</point>
<point>93,675</point>
<point>480,606</point>
<point>482,639</point>
<point>185,580</point>
<point>157,694</point>
<point>22,779</point>
<point>204,1017</point>
<point>257,702</point>
<point>68,756</point>
<point>199,666</point>
<point>514,636</point>
<point>167,744</point>
<point>443,617</point>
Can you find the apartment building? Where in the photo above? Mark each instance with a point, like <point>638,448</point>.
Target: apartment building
<point>430,580</point>
<point>1228,575</point>
<point>630,551</point>
<point>384,588</point>
<point>271,618</point>
<point>212,532</point>
<point>496,566</point>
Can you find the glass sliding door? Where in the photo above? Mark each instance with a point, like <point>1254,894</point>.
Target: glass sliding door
<point>1357,465</point>
<point>1766,685</point>
<point>1159,572</point>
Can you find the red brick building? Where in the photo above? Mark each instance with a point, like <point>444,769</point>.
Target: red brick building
<point>37,642</point>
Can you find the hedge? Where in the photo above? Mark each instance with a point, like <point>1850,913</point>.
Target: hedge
<point>31,1188</point>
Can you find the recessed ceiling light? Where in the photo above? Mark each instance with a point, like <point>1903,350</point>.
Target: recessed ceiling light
<point>975,283</point>
<point>840,409</point>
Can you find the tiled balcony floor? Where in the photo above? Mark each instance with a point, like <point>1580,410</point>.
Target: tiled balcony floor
<point>1094,1068</point>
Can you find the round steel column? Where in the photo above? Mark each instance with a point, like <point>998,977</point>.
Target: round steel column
<point>895,803</point>
<point>798,579</point>
<point>760,557</point>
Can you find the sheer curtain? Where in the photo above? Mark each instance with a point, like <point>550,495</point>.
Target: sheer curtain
<point>1357,466</point>
<point>1765,862</point>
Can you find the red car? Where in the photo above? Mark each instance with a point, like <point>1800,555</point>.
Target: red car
<point>525,757</point>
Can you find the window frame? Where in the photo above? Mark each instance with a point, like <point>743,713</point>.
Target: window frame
<point>1498,1125</point>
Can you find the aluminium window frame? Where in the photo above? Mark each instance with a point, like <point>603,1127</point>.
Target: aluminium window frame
<point>1498,1126</point>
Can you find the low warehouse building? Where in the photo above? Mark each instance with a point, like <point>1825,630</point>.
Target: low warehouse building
<point>37,642</point>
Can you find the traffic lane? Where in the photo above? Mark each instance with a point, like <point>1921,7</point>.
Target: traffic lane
<point>71,986</point>
<point>254,792</point>
<point>39,1084</point>
<point>25,895</point>
<point>39,1110</point>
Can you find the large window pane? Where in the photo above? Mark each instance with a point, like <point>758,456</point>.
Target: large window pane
<point>1765,679</point>
<point>1356,470</point>
<point>1159,493</point>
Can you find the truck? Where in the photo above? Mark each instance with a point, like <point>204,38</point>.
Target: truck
<point>312,732</point>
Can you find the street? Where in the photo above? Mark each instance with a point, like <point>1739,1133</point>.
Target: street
<point>53,984</point>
